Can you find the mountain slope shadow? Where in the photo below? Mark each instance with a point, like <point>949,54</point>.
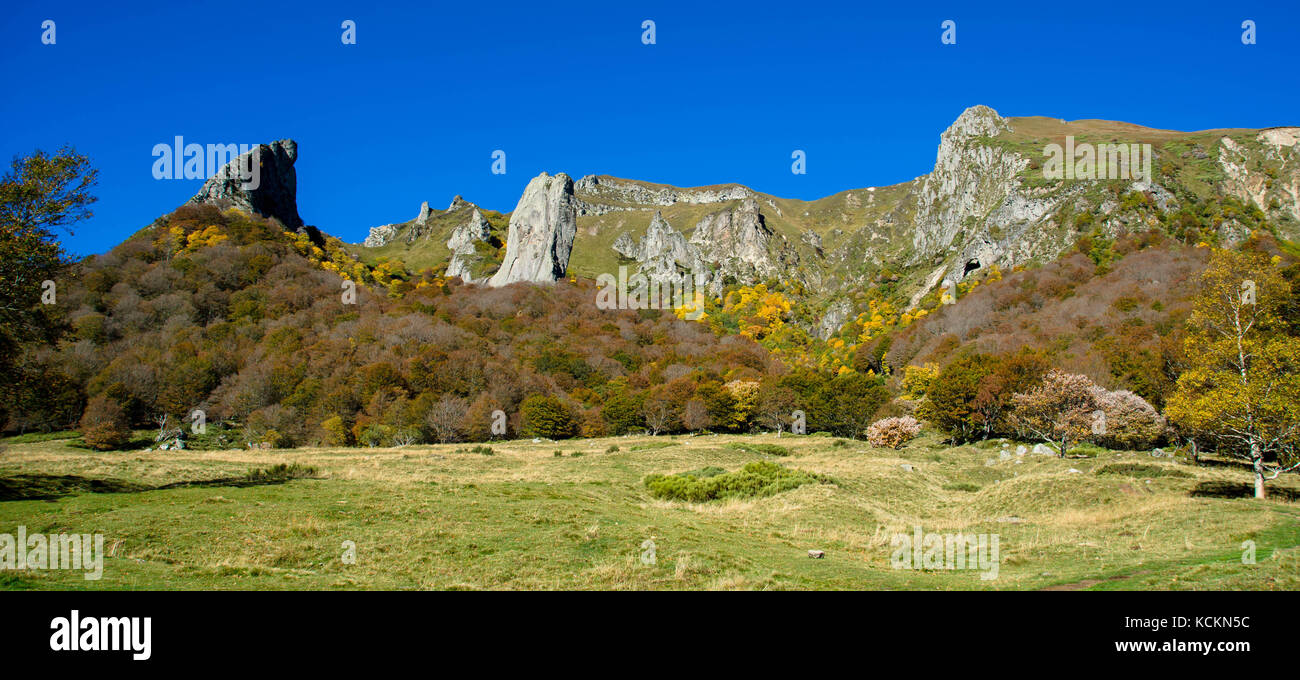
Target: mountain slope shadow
<point>39,487</point>
<point>1241,490</point>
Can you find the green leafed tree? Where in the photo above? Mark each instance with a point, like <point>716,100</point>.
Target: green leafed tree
<point>546,416</point>
<point>40,195</point>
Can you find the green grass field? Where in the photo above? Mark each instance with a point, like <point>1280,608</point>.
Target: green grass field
<point>442,517</point>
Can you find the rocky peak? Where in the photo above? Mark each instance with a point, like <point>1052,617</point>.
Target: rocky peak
<point>739,242</point>
<point>272,190</point>
<point>385,233</point>
<point>970,179</point>
<point>542,228</point>
<point>976,121</point>
<point>662,251</point>
<point>464,253</point>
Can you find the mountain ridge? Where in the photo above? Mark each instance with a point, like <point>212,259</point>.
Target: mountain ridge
<point>986,202</point>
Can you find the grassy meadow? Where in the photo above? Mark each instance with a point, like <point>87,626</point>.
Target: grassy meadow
<point>525,517</point>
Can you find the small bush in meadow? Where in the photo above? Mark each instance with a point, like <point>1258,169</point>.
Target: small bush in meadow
<point>613,448</point>
<point>769,449</point>
<point>281,473</point>
<point>893,433</point>
<point>754,480</point>
<point>104,424</point>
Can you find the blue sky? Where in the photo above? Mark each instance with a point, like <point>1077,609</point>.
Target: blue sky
<point>414,110</point>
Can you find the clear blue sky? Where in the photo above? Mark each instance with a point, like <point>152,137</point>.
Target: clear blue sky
<point>413,111</point>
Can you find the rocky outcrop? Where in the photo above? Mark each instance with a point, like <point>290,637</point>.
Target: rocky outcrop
<point>738,242</point>
<point>836,314</point>
<point>381,235</point>
<point>603,195</point>
<point>463,245</point>
<point>663,252</point>
<point>731,244</point>
<point>542,228</point>
<point>411,230</point>
<point>384,234</point>
<point>261,181</point>
<point>626,246</point>
<point>1265,171</point>
<point>969,179</point>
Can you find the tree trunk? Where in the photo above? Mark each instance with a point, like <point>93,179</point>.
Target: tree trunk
<point>1257,460</point>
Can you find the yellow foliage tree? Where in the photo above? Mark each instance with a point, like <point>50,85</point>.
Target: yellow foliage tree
<point>1242,390</point>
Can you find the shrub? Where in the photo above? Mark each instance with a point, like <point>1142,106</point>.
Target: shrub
<point>335,432</point>
<point>280,473</point>
<point>769,449</point>
<point>546,416</point>
<point>917,379</point>
<point>755,480</point>
<point>104,424</point>
<point>1131,422</point>
<point>1059,411</point>
<point>893,433</point>
<point>613,448</point>
<point>650,446</point>
<point>950,397</point>
<point>376,435</point>
<point>1140,470</point>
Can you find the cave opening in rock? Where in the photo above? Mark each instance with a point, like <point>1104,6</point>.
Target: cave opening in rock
<point>971,266</point>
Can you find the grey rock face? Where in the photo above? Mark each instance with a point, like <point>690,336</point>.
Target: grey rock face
<point>663,250</point>
<point>738,241</point>
<point>603,195</point>
<point>385,233</point>
<point>273,194</point>
<point>969,179</point>
<point>734,243</point>
<point>664,254</point>
<point>381,235</point>
<point>835,317</point>
<point>542,228</point>
<point>461,245</point>
<point>624,245</point>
